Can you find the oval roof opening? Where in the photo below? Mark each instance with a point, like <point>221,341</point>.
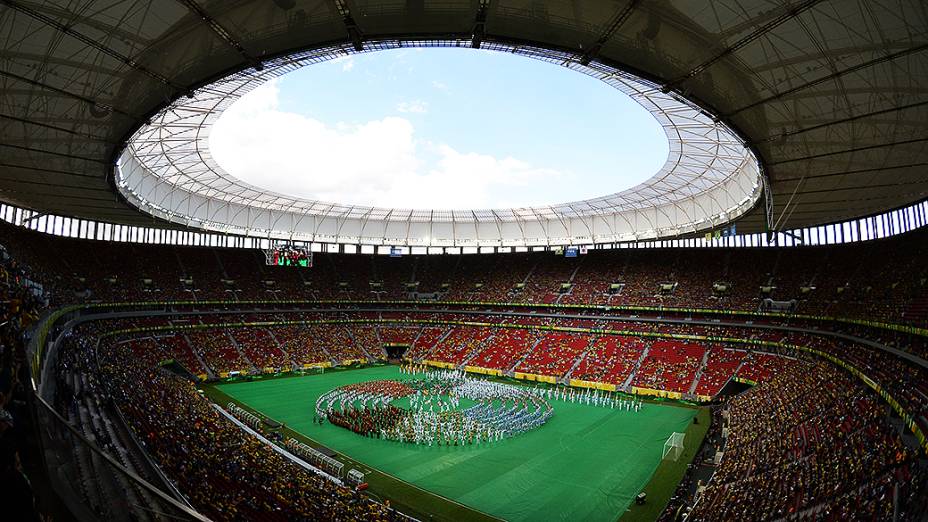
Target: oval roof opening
<point>439,128</point>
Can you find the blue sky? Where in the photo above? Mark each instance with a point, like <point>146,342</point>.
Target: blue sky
<point>439,128</point>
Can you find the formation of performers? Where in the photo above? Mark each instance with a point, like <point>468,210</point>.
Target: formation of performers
<point>591,397</point>
<point>450,408</point>
<point>411,368</point>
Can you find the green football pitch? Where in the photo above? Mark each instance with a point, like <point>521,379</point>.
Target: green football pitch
<point>586,463</point>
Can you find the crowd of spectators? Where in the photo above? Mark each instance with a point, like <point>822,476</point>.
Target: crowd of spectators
<point>225,472</point>
<point>721,363</point>
<point>884,279</point>
<point>610,360</point>
<point>336,341</point>
<point>424,342</point>
<point>811,443</point>
<point>297,342</point>
<point>367,341</point>
<point>555,354</point>
<point>460,344</point>
<point>218,350</point>
<point>507,347</point>
<point>21,303</point>
<point>670,365</point>
<point>398,335</point>
<point>260,347</point>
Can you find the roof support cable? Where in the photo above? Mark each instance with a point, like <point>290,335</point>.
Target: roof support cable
<point>354,32</point>
<point>480,24</point>
<point>620,17</point>
<point>849,151</point>
<point>842,121</point>
<point>24,121</point>
<point>832,76</point>
<point>787,15</point>
<point>94,105</point>
<point>222,33</point>
<point>776,226</point>
<point>90,42</point>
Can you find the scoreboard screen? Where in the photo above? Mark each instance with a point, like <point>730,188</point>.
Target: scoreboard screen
<point>289,255</point>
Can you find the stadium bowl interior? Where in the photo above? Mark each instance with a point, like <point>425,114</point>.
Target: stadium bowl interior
<point>743,336</point>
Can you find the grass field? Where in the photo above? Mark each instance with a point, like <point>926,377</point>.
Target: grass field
<point>586,463</point>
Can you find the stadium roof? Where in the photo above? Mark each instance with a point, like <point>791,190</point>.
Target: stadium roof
<point>831,96</point>
<point>708,178</point>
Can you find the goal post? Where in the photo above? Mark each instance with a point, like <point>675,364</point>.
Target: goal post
<point>673,447</point>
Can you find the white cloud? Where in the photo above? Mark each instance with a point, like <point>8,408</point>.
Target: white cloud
<point>441,86</point>
<point>380,162</point>
<point>414,106</point>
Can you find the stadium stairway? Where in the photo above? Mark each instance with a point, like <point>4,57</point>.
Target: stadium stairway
<point>702,366</point>
<point>383,351</point>
<point>136,495</point>
<point>731,377</point>
<point>241,353</point>
<point>209,371</point>
<point>511,371</point>
<point>631,374</point>
<point>270,332</point>
<point>570,281</point>
<point>82,465</point>
<point>530,272</point>
<point>475,352</point>
<point>440,339</point>
<point>415,339</point>
<point>111,488</point>
<point>183,269</point>
<point>360,345</point>
<point>198,369</point>
<point>328,354</point>
<point>566,378</point>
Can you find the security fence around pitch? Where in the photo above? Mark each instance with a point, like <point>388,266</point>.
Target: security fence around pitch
<point>311,455</point>
<point>315,457</point>
<point>245,416</point>
<point>907,417</point>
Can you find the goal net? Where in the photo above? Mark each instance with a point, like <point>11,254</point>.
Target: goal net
<point>673,448</point>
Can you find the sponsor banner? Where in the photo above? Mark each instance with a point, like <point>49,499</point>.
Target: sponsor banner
<point>579,383</point>
<point>439,364</point>
<point>657,393</point>
<point>483,371</point>
<point>535,377</point>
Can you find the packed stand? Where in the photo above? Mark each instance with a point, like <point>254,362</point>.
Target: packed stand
<point>812,443</point>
